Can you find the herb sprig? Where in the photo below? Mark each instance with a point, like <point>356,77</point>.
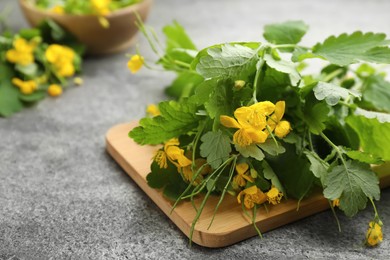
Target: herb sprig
<point>248,120</point>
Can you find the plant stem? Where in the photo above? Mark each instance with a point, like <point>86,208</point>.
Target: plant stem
<point>332,75</point>
<point>255,82</point>
<point>337,149</point>
<point>224,190</point>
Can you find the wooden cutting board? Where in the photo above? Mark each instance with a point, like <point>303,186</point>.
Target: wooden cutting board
<point>230,224</point>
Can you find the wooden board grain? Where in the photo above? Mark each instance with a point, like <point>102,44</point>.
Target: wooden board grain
<point>230,224</point>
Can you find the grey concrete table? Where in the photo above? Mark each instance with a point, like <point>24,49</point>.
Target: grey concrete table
<point>63,197</point>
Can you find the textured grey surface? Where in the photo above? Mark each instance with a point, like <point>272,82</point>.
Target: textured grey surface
<point>63,197</point>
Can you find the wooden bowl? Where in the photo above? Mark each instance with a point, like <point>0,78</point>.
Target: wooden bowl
<point>87,29</point>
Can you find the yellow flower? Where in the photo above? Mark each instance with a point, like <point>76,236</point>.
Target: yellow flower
<point>374,234</point>
<point>100,7</point>
<point>199,163</point>
<point>282,128</point>
<point>274,196</point>
<point>26,87</point>
<point>135,63</point>
<point>336,203</point>
<point>173,153</point>
<point>250,122</point>
<point>241,178</point>
<point>252,196</point>
<point>22,53</point>
<point>54,90</point>
<point>58,9</point>
<point>152,110</point>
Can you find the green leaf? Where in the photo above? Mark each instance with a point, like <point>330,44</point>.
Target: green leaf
<point>30,70</point>
<point>293,172</point>
<point>376,93</point>
<point>377,55</point>
<point>184,85</point>
<point>274,84</point>
<point>346,49</point>
<point>220,101</point>
<point>381,117</point>
<point>284,66</point>
<point>204,90</point>
<point>168,179</point>
<point>176,119</point>
<point>250,151</point>
<point>332,93</point>
<point>158,178</point>
<point>290,32</point>
<point>352,184</point>
<point>315,116</point>
<point>269,174</point>
<point>28,34</point>
<point>317,166</point>
<point>176,37</point>
<point>9,94</point>
<point>362,156</point>
<point>215,147</point>
<point>272,148</point>
<point>374,136</point>
<point>229,60</point>
<point>34,97</point>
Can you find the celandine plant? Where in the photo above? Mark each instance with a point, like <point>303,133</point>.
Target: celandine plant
<point>248,121</point>
<point>35,63</point>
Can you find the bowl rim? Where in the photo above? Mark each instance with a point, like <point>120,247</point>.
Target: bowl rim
<point>118,12</point>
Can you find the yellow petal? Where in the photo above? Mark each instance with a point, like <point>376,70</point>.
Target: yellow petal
<point>251,190</point>
<point>241,168</point>
<point>242,138</point>
<point>282,129</point>
<point>229,122</point>
<point>279,110</point>
<point>257,136</point>
<point>264,108</point>
<point>244,115</point>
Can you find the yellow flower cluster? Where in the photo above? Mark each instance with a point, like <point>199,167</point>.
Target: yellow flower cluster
<point>22,53</point>
<point>253,195</point>
<point>100,7</point>
<point>62,58</point>
<point>256,122</point>
<point>374,234</point>
<point>175,155</point>
<point>26,87</point>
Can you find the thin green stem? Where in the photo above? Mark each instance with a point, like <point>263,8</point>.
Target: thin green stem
<point>256,80</point>
<point>202,205</point>
<point>311,142</point>
<point>335,215</point>
<point>337,149</point>
<point>332,75</point>
<point>375,210</point>
<point>254,221</point>
<point>224,190</point>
